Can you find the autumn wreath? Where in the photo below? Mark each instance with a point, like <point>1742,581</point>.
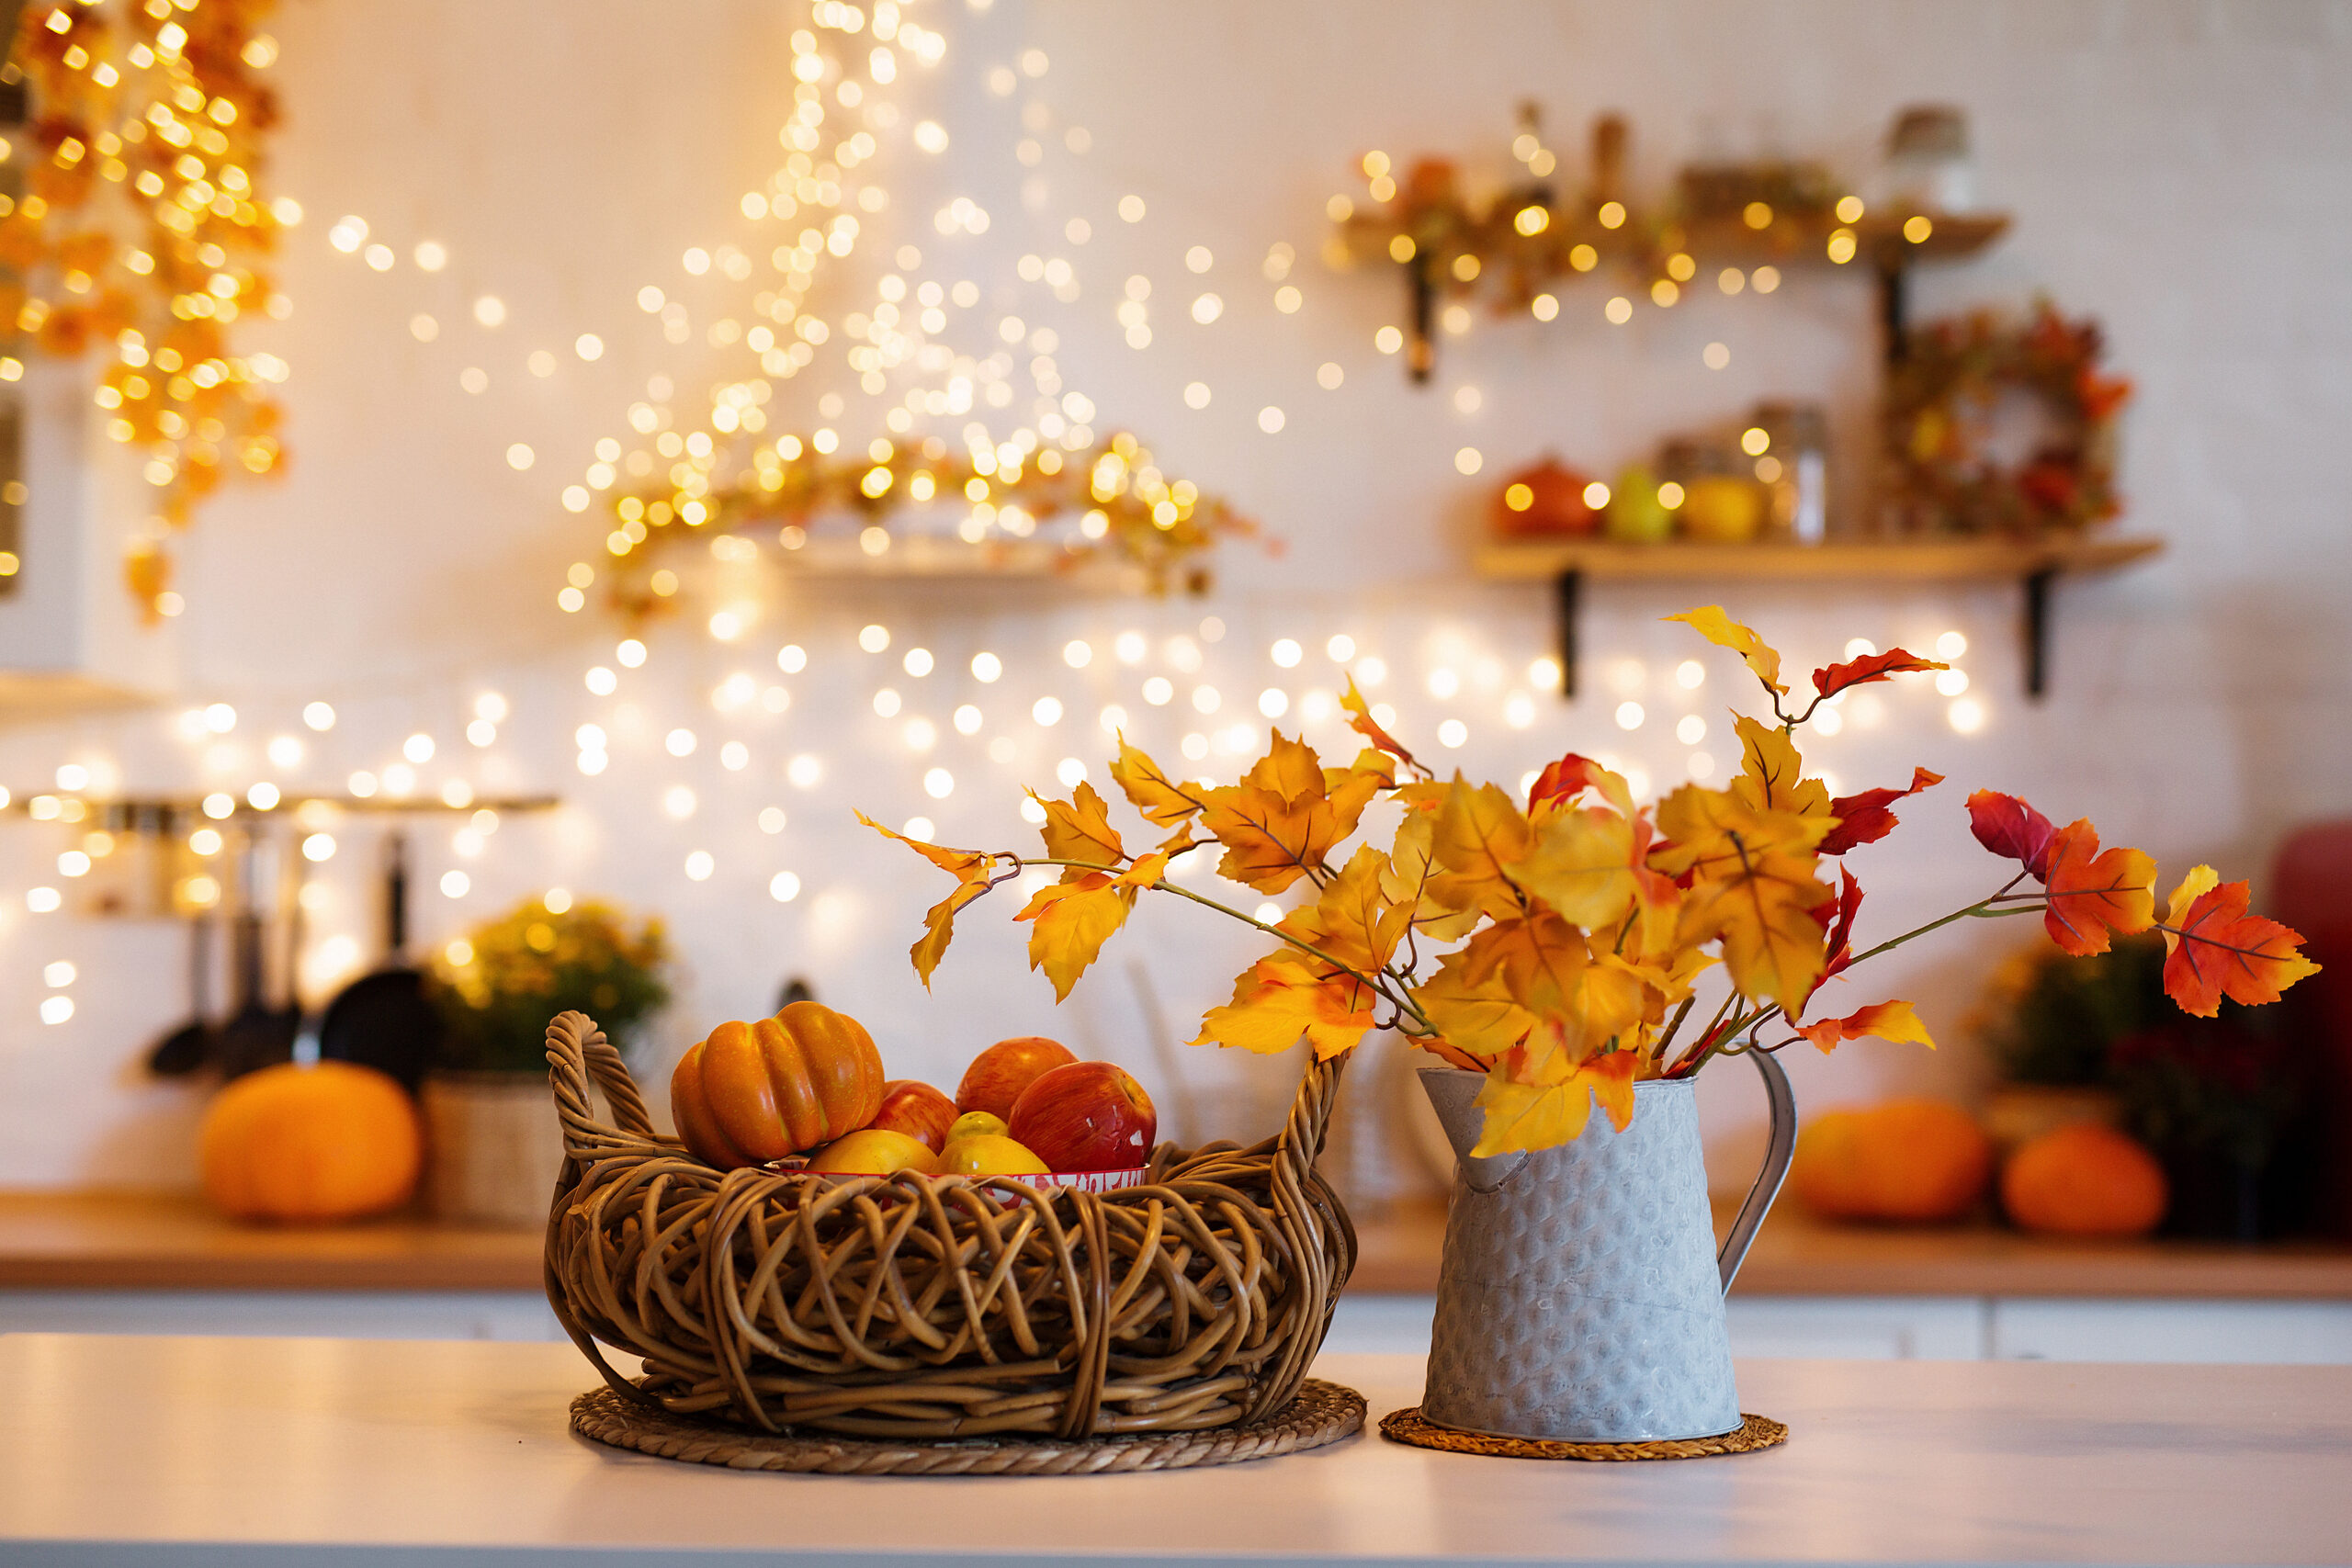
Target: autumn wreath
<point>1580,931</point>
<point>1943,398</point>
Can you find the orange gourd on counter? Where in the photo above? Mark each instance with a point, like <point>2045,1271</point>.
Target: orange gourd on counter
<point>2085,1180</point>
<point>753,1092</point>
<point>1909,1160</point>
<point>309,1144</point>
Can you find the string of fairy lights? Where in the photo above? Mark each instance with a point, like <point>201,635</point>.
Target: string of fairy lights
<point>1167,676</point>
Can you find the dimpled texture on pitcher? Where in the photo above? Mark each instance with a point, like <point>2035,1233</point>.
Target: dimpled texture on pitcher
<point>1579,1300</point>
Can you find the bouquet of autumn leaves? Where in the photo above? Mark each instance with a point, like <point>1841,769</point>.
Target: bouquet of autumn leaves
<point>1562,944</point>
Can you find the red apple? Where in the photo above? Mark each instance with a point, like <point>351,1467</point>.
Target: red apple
<point>999,1073</point>
<point>1086,1116</point>
<point>916,1109</point>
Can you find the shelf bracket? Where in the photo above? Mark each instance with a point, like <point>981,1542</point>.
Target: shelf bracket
<point>1566,591</point>
<point>1893,308</point>
<point>2037,631</point>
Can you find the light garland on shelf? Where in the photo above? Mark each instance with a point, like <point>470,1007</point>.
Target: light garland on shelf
<point>143,227</point>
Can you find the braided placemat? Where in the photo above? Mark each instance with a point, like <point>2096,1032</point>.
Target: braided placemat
<point>1409,1425</point>
<point>1323,1413</point>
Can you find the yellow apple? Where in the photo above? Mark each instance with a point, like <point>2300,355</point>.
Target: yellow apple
<point>987,1154</point>
<point>975,1124</point>
<point>874,1151</point>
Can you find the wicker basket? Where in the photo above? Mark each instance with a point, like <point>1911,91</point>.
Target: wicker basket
<point>914,1306</point>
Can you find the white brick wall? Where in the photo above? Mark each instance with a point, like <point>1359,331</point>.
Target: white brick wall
<point>2182,170</point>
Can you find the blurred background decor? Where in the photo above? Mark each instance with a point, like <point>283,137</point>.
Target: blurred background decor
<point>2227,1104</point>
<point>495,1145</point>
<point>2001,426</point>
<point>139,225</point>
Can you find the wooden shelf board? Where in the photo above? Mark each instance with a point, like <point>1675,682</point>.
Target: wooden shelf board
<point>1925,560</point>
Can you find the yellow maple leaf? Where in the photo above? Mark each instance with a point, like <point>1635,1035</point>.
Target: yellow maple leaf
<point>1710,623</point>
<point>1409,869</point>
<point>1274,1005</point>
<point>1072,920</point>
<point>1165,802</point>
<point>1480,835</point>
<point>1771,775</point>
<point>1477,1015</point>
<point>1713,832</point>
<point>1582,865</point>
<point>1554,1107</point>
<point>1763,912</point>
<point>1079,829</point>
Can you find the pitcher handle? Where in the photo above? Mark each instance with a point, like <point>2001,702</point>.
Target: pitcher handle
<point>1768,1179</point>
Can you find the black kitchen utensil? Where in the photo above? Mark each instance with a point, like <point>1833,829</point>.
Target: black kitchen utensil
<point>385,1020</point>
<point>257,1035</point>
<point>189,1046</point>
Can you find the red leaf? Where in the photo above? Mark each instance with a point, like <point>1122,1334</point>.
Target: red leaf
<point>1564,779</point>
<point>1864,819</point>
<point>1841,930</point>
<point>1870,667</point>
<point>2092,893</point>
<point>2008,827</point>
<point>2221,951</point>
<point>1837,916</point>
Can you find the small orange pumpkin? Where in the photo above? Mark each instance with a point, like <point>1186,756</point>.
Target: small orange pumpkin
<point>753,1092</point>
<point>309,1144</point>
<point>2085,1180</point>
<point>1914,1161</point>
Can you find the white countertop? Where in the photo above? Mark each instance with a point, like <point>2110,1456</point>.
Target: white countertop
<point>216,1452</point>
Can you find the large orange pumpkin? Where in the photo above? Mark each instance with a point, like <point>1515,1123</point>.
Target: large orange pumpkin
<point>327,1141</point>
<point>753,1092</point>
<point>2085,1180</point>
<point>1913,1160</point>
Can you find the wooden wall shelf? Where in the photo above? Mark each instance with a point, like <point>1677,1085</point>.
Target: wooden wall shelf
<point>1568,563</point>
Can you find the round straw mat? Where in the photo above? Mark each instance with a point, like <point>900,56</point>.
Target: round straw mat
<point>1323,1413</point>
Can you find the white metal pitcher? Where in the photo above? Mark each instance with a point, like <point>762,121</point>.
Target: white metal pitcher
<point>1581,1297</point>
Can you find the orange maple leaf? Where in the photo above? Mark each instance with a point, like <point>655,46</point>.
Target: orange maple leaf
<point>972,870</point>
<point>1079,829</point>
<point>1284,817</point>
<point>1887,1020</point>
<point>2220,950</point>
<point>1274,1005</point>
<point>1164,801</point>
<point>2090,894</point>
<point>1359,720</point>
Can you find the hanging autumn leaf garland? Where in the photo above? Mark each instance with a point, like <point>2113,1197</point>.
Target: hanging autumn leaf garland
<point>1589,921</point>
<point>142,227</point>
